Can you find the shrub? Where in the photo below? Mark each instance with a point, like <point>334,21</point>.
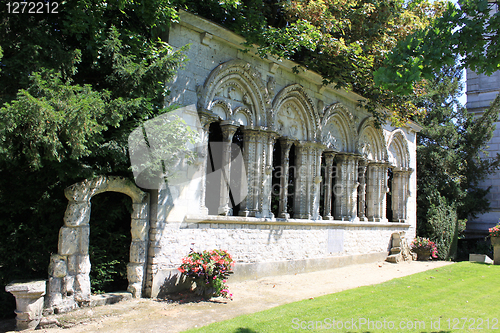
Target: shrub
<point>209,270</point>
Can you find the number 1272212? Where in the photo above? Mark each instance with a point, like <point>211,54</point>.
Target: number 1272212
<point>24,7</point>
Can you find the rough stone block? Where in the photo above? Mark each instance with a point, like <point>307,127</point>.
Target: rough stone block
<point>68,285</point>
<point>140,211</point>
<point>82,288</point>
<point>135,272</point>
<point>84,240</point>
<point>138,252</point>
<point>69,240</point>
<point>79,264</point>
<point>139,229</point>
<point>77,214</point>
<point>57,266</point>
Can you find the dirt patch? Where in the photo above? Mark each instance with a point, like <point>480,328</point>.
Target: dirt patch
<point>150,315</point>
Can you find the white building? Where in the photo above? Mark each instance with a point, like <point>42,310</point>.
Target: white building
<point>481,91</point>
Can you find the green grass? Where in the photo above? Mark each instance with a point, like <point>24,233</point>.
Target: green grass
<point>463,297</point>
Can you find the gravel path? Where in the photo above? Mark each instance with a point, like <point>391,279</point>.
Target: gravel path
<point>148,315</point>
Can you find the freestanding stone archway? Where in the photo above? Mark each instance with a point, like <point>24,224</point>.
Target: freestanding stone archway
<point>69,281</point>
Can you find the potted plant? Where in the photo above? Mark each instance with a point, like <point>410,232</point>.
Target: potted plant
<point>495,235</point>
<point>208,271</point>
<point>424,248</point>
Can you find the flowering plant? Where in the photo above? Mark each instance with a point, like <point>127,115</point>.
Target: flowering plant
<point>209,269</point>
<point>424,244</point>
<point>495,231</point>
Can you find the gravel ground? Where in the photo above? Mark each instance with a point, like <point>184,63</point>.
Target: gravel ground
<point>150,315</point>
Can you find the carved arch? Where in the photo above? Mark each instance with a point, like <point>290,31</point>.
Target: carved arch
<point>238,85</point>
<point>292,102</point>
<point>371,142</point>
<point>71,266</point>
<point>399,154</point>
<point>338,130</point>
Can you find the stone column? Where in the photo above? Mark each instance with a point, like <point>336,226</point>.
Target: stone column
<point>228,130</point>
<point>346,204</point>
<point>267,180</point>
<point>29,302</point>
<point>303,181</point>
<point>249,205</point>
<point>316,180</point>
<point>377,192</point>
<point>362,190</point>
<point>327,206</point>
<point>400,180</point>
<point>206,120</point>
<point>136,268</point>
<point>285,165</point>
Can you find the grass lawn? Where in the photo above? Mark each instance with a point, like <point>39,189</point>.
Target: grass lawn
<point>463,297</point>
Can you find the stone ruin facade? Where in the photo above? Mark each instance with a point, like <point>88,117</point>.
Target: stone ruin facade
<point>345,185</point>
<point>69,281</point>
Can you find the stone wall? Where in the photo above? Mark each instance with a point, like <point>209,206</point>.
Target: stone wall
<point>222,84</point>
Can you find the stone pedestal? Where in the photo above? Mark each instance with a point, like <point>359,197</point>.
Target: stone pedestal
<point>495,241</point>
<point>29,302</point>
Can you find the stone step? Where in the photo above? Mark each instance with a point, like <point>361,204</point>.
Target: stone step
<point>109,298</point>
<point>480,258</point>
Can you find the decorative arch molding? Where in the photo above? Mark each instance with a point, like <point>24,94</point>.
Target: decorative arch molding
<point>399,154</point>
<point>371,142</point>
<point>235,84</point>
<point>338,129</point>
<point>294,114</point>
<point>69,281</point>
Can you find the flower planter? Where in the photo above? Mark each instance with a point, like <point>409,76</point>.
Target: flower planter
<point>495,241</point>
<point>204,290</point>
<point>423,254</point>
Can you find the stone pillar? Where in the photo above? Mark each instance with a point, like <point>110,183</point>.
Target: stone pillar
<point>267,180</point>
<point>228,130</point>
<point>250,204</point>
<point>327,206</point>
<point>29,302</point>
<point>376,196</point>
<point>285,165</point>
<point>302,207</point>
<point>136,268</point>
<point>316,180</point>
<point>206,120</point>
<point>400,189</point>
<point>346,203</point>
<point>362,190</point>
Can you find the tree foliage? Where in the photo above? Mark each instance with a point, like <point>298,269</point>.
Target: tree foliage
<point>73,85</point>
<point>451,161</point>
<point>468,30</point>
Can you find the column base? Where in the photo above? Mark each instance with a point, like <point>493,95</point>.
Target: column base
<point>285,216</point>
<point>225,211</point>
<point>328,217</point>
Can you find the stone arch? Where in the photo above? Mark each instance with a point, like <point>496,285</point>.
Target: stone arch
<point>338,129</point>
<point>398,153</point>
<point>295,115</point>
<point>69,282</point>
<point>237,85</point>
<point>371,143</point>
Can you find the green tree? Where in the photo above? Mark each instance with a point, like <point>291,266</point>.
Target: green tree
<point>345,41</point>
<point>73,85</point>
<point>468,30</point>
<point>451,161</point>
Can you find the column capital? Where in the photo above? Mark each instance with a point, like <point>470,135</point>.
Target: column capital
<point>407,171</point>
<point>348,156</point>
<point>207,117</point>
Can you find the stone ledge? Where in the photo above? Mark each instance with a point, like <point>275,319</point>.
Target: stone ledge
<point>294,222</point>
<point>109,298</point>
